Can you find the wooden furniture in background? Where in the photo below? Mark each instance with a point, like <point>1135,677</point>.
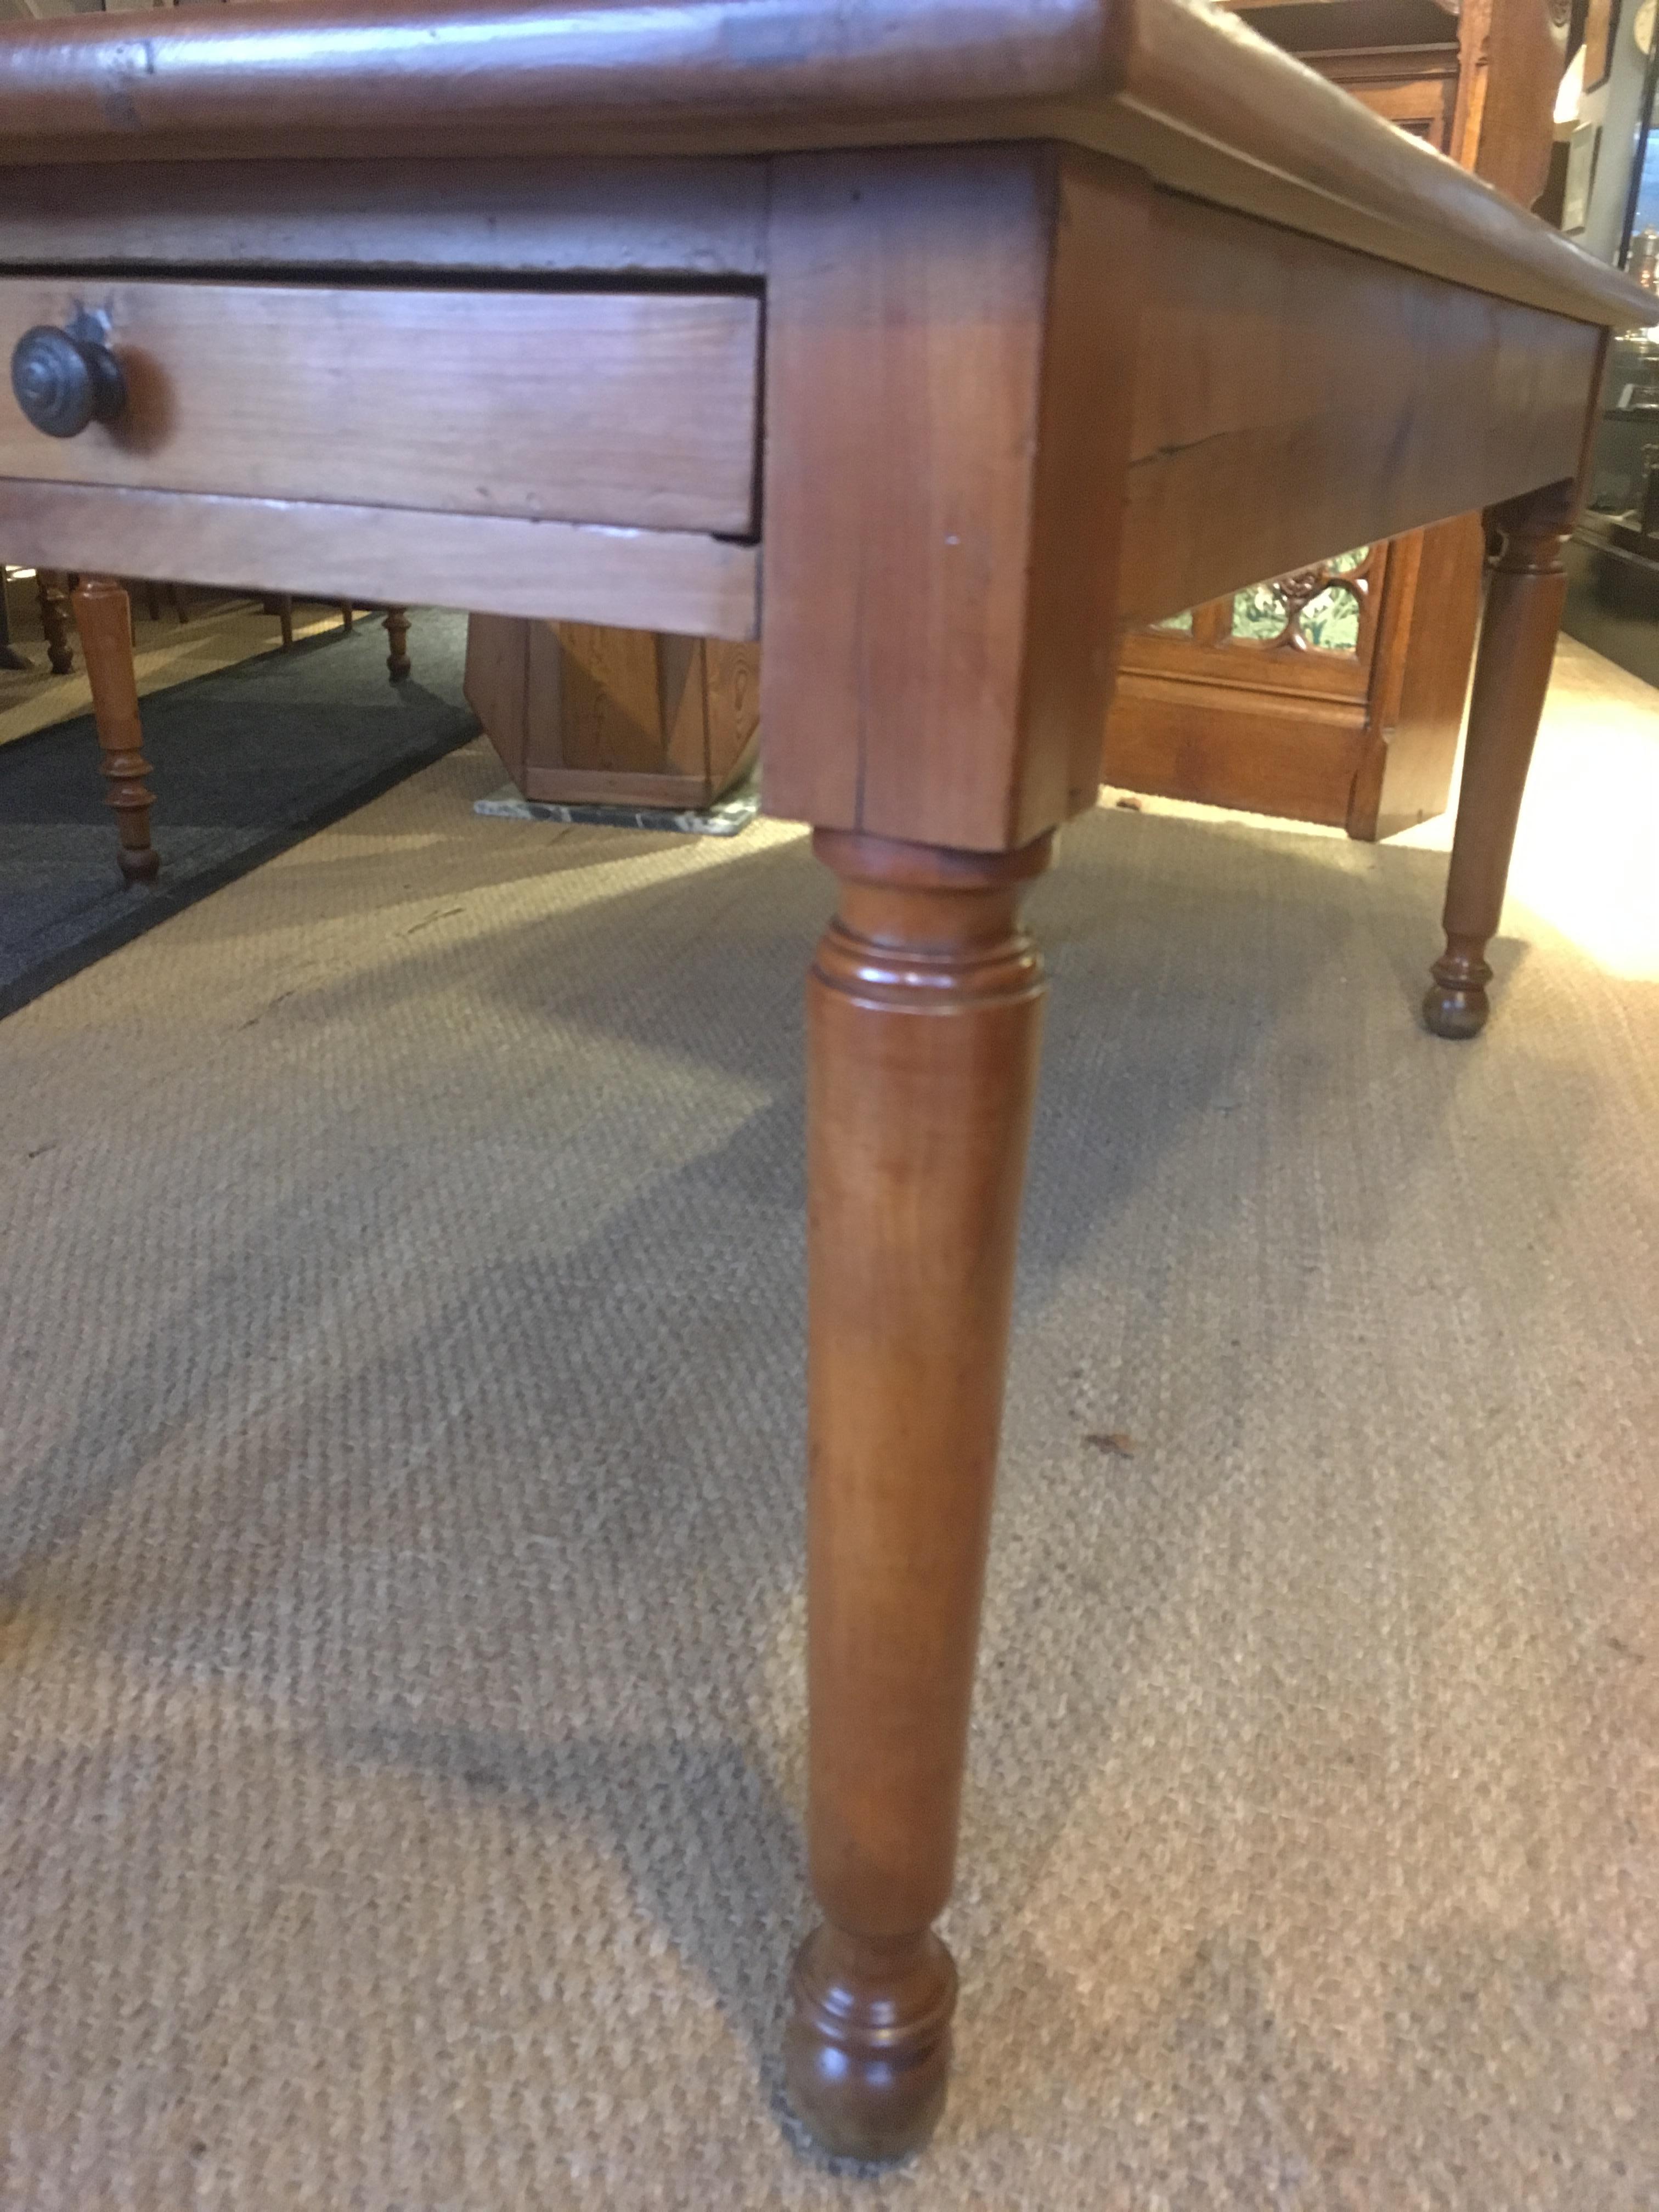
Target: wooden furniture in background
<point>152,589</point>
<point>395,622</point>
<point>282,604</point>
<point>103,615</point>
<point>103,612</point>
<point>1242,707</point>
<point>581,713</point>
<point>1053,302</point>
<point>10,659</point>
<point>52,595</point>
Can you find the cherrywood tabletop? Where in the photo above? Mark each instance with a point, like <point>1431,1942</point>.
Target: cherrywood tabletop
<point>1186,92</point>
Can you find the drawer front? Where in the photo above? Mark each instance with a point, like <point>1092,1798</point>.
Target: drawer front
<point>636,409</point>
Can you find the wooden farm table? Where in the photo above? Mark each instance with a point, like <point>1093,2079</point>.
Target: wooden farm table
<point>935,341</point>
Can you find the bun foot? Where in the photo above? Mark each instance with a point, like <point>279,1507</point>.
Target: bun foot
<point>867,2050</point>
<point>141,866</point>
<point>1456,1004</point>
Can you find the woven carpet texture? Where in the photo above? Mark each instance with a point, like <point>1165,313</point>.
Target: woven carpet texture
<point>401,1731</point>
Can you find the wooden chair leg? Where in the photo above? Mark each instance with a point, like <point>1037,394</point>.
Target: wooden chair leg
<point>1524,599</point>
<point>924,1012</point>
<point>10,658</point>
<point>49,592</point>
<point>397,631</point>
<point>104,619</point>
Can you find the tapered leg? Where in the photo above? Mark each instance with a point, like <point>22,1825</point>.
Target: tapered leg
<point>1524,598</point>
<point>54,620</point>
<point>104,619</point>
<point>397,631</point>
<point>924,1011</point>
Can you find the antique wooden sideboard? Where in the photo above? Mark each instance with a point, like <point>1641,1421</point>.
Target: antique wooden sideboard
<point>938,341</point>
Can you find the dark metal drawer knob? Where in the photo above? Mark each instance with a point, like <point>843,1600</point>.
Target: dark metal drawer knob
<point>64,380</point>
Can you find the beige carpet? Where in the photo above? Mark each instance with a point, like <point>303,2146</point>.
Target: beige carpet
<point>400,1674</point>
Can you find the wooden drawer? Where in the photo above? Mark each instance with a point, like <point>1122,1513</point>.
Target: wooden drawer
<point>624,408</point>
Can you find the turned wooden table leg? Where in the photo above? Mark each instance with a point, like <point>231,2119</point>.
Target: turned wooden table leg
<point>397,631</point>
<point>924,1011</point>
<point>1525,595</point>
<point>10,659</point>
<point>54,620</point>
<point>104,619</point>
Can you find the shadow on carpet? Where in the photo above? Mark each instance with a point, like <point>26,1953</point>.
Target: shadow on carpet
<point>245,761</point>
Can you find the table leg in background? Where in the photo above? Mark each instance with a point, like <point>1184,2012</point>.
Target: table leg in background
<point>1524,599</point>
<point>396,630</point>
<point>49,591</point>
<point>103,618</point>
<point>10,658</point>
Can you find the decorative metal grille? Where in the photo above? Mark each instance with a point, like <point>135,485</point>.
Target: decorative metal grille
<point>1316,610</point>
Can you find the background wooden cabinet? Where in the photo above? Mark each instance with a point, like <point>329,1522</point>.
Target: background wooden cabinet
<point>1335,696</point>
<point>582,713</point>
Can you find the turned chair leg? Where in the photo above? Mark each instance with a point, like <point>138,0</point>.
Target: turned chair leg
<point>1525,594</point>
<point>10,658</point>
<point>49,592</point>
<point>397,631</point>
<point>104,619</point>
<point>924,1011</point>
